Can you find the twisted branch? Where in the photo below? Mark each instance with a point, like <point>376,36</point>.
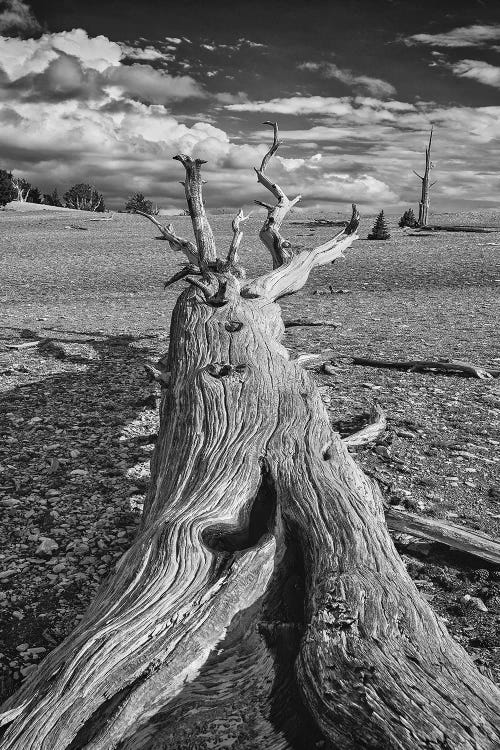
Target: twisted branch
<point>292,276</point>
<point>279,248</point>
<point>232,257</point>
<point>179,244</point>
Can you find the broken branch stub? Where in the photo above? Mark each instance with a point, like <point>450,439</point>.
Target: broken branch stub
<point>194,195</point>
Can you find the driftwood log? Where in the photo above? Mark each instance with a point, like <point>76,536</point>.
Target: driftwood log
<point>263,604</point>
<point>452,367</point>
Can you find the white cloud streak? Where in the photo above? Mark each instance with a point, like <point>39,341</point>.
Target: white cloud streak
<point>477,35</point>
<point>366,84</point>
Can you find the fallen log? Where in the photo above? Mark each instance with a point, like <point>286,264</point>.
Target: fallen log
<point>436,530</point>
<point>263,603</point>
<point>458,228</point>
<point>417,365</point>
<point>303,323</point>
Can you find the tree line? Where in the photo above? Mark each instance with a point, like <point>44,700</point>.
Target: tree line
<point>81,196</point>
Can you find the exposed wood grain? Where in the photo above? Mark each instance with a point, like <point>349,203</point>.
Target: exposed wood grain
<point>373,429</point>
<point>436,530</point>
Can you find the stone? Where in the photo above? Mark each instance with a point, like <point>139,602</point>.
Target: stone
<point>47,547</point>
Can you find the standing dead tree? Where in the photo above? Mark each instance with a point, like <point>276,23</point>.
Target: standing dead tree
<point>263,603</point>
<point>22,188</point>
<point>425,197</point>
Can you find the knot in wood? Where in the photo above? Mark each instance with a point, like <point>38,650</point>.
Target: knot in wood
<point>233,325</point>
<point>222,370</point>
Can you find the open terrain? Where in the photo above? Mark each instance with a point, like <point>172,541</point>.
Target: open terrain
<point>78,416</point>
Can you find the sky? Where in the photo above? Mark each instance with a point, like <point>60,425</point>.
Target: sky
<point>108,92</point>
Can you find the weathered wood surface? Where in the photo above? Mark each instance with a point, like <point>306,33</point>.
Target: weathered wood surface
<point>424,205</point>
<point>372,430</point>
<point>263,603</point>
<point>436,530</point>
<point>422,365</point>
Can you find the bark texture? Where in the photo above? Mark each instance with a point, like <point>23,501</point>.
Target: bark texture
<point>263,604</point>
<point>425,197</point>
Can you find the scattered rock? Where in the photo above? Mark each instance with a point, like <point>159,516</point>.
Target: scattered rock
<point>47,547</point>
<point>474,601</point>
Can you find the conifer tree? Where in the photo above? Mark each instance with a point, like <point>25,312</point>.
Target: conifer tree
<point>408,219</point>
<point>380,229</point>
<point>7,189</point>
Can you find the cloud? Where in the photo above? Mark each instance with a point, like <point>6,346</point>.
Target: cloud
<point>373,86</point>
<point>367,109</point>
<point>72,64</point>
<point>145,83</point>
<point>477,35</point>
<point>148,53</point>
<point>17,18</point>
<point>478,70</point>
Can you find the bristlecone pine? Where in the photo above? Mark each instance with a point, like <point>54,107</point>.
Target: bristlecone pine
<point>263,604</point>
<point>380,230</point>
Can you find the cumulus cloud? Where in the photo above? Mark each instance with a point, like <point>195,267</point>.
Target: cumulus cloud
<point>478,70</point>
<point>17,18</point>
<point>367,84</point>
<point>72,64</point>
<point>477,35</point>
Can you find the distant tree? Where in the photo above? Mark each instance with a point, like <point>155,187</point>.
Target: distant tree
<point>7,189</point>
<point>408,219</point>
<point>85,198</point>
<point>52,199</point>
<point>23,188</point>
<point>34,196</point>
<point>138,202</point>
<point>380,230</point>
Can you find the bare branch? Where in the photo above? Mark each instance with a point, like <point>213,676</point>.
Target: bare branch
<point>418,175</point>
<point>370,432</point>
<point>179,244</point>
<point>202,230</point>
<point>289,278</point>
<point>232,257</point>
<point>189,269</point>
<point>275,146</point>
<point>279,248</point>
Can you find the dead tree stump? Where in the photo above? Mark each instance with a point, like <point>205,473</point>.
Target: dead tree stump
<point>425,197</point>
<point>263,604</point>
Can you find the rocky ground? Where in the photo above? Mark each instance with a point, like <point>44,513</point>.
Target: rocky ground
<point>78,417</point>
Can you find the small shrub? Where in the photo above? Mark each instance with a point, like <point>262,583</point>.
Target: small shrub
<point>380,230</point>
<point>84,197</point>
<point>138,202</point>
<point>408,219</point>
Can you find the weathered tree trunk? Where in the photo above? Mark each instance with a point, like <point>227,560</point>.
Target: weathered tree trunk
<point>263,604</point>
<point>423,206</point>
